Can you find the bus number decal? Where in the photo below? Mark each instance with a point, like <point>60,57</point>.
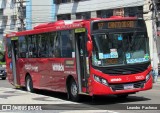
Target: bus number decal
<point>139,77</point>
<point>70,72</point>
<point>58,67</point>
<point>30,67</point>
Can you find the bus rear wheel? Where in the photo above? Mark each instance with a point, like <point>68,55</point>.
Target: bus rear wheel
<point>29,84</point>
<point>73,91</point>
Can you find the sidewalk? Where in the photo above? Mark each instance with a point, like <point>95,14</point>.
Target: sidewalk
<point>156,85</point>
<point>158,80</point>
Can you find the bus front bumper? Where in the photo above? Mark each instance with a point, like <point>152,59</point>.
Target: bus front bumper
<point>100,89</point>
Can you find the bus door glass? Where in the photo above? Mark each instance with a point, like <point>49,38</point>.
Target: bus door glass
<point>14,57</point>
<point>81,56</point>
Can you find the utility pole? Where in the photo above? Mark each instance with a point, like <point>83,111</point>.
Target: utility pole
<point>155,43</point>
<point>21,15</point>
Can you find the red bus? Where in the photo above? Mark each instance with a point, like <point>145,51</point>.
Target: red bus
<point>99,56</point>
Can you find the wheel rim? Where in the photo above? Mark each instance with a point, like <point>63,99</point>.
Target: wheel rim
<point>74,89</point>
<point>28,84</point>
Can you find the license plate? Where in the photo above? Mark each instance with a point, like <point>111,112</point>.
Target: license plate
<point>128,86</point>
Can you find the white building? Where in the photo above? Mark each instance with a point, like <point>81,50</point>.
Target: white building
<point>75,9</point>
<point>10,13</point>
<point>7,17</point>
<point>27,12</point>
<point>39,11</point>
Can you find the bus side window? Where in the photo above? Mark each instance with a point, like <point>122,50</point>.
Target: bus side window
<point>43,47</point>
<point>22,47</point>
<point>34,47</point>
<point>66,40</point>
<point>52,36</point>
<point>9,47</point>
<point>29,46</point>
<point>57,46</point>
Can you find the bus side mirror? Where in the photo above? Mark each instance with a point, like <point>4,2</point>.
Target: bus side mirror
<point>89,46</point>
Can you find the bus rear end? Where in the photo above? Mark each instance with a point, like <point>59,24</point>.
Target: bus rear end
<point>120,61</point>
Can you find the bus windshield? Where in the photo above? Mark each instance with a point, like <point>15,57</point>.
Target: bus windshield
<point>120,48</point>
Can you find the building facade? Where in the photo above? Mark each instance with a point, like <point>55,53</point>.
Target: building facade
<point>18,15</point>
<point>84,9</point>
<point>39,11</point>
<point>7,18</point>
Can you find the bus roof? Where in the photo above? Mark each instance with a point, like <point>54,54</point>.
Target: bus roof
<point>64,25</point>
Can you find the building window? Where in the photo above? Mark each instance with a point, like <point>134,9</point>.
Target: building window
<point>64,17</point>
<point>105,13</point>
<point>66,1</point>
<point>61,1</point>
<point>78,0</point>
<point>13,22</point>
<point>12,5</point>
<point>118,12</point>
<point>12,25</point>
<point>22,12</point>
<point>158,25</point>
<point>127,11</point>
<point>3,3</point>
<point>1,12</point>
<point>134,11</point>
<point>84,15</point>
<point>4,21</point>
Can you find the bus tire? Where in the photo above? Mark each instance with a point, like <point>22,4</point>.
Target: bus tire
<point>73,91</point>
<point>29,84</point>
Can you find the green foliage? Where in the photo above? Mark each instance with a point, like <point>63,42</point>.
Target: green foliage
<point>2,57</point>
<point>2,63</point>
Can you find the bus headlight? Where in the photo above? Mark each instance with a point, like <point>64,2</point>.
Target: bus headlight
<point>97,78</point>
<point>148,76</point>
<point>100,80</point>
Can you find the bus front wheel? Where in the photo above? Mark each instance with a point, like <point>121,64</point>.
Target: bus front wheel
<point>29,84</point>
<point>73,90</point>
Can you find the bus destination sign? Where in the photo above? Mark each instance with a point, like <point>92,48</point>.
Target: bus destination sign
<point>122,24</point>
<point>113,25</point>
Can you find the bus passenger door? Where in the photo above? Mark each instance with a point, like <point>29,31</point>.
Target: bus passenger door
<point>14,57</point>
<point>81,59</point>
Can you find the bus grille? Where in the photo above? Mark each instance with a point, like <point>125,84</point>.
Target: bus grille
<point>124,70</point>
<point>121,86</point>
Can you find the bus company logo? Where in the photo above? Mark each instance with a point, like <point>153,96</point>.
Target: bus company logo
<point>68,26</point>
<point>58,67</point>
<point>139,77</point>
<point>31,67</point>
<point>116,79</point>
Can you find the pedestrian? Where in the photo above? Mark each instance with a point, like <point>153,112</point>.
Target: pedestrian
<point>153,75</point>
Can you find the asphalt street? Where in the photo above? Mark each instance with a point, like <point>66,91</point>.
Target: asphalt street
<point>57,102</point>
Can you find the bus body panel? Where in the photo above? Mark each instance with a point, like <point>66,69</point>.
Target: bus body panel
<point>9,70</point>
<point>97,88</point>
<point>51,73</point>
<point>46,73</point>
